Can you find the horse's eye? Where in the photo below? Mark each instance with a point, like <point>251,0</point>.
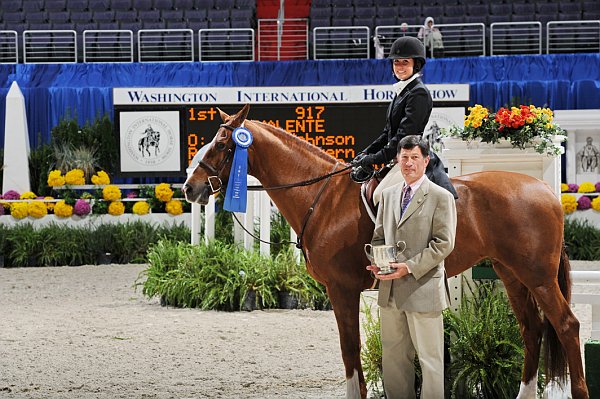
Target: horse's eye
<point>220,146</point>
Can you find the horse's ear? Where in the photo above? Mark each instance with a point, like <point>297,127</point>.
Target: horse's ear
<point>241,116</point>
<point>224,116</point>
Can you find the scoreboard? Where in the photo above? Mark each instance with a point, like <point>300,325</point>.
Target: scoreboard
<point>161,129</point>
<point>341,130</point>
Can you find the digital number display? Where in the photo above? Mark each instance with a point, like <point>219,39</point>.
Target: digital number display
<point>341,130</point>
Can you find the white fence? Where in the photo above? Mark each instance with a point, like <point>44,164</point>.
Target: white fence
<point>592,279</point>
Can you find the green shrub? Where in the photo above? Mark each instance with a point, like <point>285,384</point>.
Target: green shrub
<point>221,276</point>
<point>582,240</point>
<point>370,353</point>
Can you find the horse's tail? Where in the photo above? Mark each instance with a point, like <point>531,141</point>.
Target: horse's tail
<point>554,353</point>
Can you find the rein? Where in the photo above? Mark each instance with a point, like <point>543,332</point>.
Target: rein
<point>327,177</point>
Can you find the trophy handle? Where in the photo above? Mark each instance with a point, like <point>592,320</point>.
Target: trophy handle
<point>400,247</point>
<point>368,252</point>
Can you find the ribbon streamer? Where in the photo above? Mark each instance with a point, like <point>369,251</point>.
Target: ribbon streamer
<point>237,188</point>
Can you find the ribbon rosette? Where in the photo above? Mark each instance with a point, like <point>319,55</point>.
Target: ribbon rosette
<point>237,188</point>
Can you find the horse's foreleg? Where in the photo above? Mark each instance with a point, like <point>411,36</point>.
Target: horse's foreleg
<point>345,304</point>
<point>531,326</point>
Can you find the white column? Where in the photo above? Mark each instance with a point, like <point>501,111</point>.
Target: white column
<point>265,223</point>
<point>16,143</point>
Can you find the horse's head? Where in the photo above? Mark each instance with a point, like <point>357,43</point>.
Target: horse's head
<point>214,166</point>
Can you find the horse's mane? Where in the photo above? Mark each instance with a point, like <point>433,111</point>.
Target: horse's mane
<point>295,141</point>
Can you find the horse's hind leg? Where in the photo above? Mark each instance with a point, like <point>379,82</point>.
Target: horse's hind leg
<point>556,309</point>
<point>531,326</point>
<point>345,304</point>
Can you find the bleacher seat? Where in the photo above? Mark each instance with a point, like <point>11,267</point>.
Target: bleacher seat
<point>341,21</point>
<point>238,14</point>
<point>364,12</point>
<point>205,4</point>
<point>133,26</point>
<point>432,11</point>
<point>480,10</point>
<point>62,26</point>
<point>498,18</point>
<point>37,18</point>
<point>385,11</point>
<point>12,6</point>
<point>81,17</point>
<point>454,19</point>
<point>564,16</point>
<point>59,17</point>
<point>474,19</point>
<point>219,24</point>
<point>410,12</point>
<point>320,4</point>
<point>501,9</point>
<point>341,3</point>
<point>455,10</point>
<point>103,16</point>
<point>343,12</point>
<point>214,15</point>
<point>588,6</point>
<point>365,21</point>
<point>30,5</point>
<point>55,5</point>
<point>120,5</point>
<point>546,8</point>
<point>523,9</point>
<point>251,4</point>
<point>171,15</point>
<point>320,22</point>
<point>153,24</point>
<point>98,5</point>
<point>177,24</point>
<point>163,5</point>
<point>148,15</point>
<point>141,5</point>
<point>114,25</point>
<point>197,25</point>
<point>324,12</point>
<point>83,26</point>
<point>523,18</point>
<point>569,7</point>
<point>241,23</point>
<point>590,15</point>
<point>363,3</point>
<point>545,18</point>
<point>183,4</point>
<point>386,21</point>
<point>194,15</point>
<point>15,17</point>
<point>224,4</point>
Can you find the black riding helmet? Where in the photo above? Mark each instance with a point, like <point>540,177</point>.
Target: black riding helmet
<point>408,47</point>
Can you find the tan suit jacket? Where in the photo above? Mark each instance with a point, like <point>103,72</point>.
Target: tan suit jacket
<point>428,226</point>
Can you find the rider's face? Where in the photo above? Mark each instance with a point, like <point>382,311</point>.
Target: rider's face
<point>404,68</point>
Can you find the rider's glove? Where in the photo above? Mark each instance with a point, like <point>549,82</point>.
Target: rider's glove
<point>364,160</point>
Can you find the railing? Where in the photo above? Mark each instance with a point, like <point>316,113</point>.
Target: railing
<point>342,42</point>
<point>459,39</point>
<point>589,278</point>
<point>165,45</point>
<point>49,46</point>
<point>572,36</point>
<point>8,47</point>
<point>509,38</point>
<point>283,39</point>
<point>107,46</point>
<point>226,44</point>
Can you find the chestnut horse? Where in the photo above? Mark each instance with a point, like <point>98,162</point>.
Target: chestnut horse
<point>513,219</point>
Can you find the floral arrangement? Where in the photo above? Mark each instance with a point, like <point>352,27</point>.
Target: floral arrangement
<point>522,126</point>
<point>571,203</point>
<point>103,199</point>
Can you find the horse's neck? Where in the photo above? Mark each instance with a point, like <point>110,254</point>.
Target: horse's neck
<point>277,160</point>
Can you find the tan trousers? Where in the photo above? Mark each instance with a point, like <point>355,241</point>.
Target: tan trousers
<point>403,334</point>
<point>394,176</point>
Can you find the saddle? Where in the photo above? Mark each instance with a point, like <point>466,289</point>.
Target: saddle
<point>368,188</point>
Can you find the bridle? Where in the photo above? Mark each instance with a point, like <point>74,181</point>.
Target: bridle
<point>216,172</point>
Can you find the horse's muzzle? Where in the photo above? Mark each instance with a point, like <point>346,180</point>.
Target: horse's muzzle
<point>198,194</point>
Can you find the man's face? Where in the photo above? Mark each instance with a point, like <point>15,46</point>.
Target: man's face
<point>412,164</point>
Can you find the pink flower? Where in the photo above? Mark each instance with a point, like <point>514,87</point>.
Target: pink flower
<point>597,185</point>
<point>132,194</point>
<point>573,187</point>
<point>584,202</point>
<point>11,195</point>
<point>81,208</point>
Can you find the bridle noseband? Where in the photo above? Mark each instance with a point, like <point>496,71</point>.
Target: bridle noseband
<point>215,173</point>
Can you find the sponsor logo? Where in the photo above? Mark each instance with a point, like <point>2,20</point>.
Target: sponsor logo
<point>149,140</point>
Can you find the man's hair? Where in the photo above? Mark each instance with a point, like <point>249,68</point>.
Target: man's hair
<point>412,141</point>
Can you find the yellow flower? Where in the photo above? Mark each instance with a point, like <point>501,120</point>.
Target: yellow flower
<point>37,209</point>
<point>111,193</point>
<point>116,208</point>
<point>62,209</point>
<point>18,210</point>
<point>100,178</point>
<point>28,195</point>
<point>596,204</point>
<point>163,192</point>
<point>55,179</point>
<point>564,187</point>
<point>586,187</point>
<point>75,177</point>
<point>569,203</point>
<point>141,208</point>
<point>174,207</point>
<point>49,205</point>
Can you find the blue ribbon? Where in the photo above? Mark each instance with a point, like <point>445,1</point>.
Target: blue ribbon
<point>237,188</point>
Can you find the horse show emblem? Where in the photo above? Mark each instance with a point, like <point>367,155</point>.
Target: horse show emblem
<point>150,140</point>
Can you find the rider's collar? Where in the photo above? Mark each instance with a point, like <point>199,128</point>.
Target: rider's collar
<point>401,84</point>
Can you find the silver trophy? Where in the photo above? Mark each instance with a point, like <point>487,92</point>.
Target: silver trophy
<point>383,255</point>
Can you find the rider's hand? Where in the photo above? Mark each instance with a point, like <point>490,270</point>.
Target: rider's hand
<point>363,160</point>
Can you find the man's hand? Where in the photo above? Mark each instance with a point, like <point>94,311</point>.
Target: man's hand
<point>401,270</point>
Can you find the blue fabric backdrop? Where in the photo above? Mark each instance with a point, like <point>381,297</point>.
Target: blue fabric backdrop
<point>54,91</point>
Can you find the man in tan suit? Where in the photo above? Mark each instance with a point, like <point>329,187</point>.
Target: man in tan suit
<point>413,296</point>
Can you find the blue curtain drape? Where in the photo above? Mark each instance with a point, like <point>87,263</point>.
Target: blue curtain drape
<point>55,91</point>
